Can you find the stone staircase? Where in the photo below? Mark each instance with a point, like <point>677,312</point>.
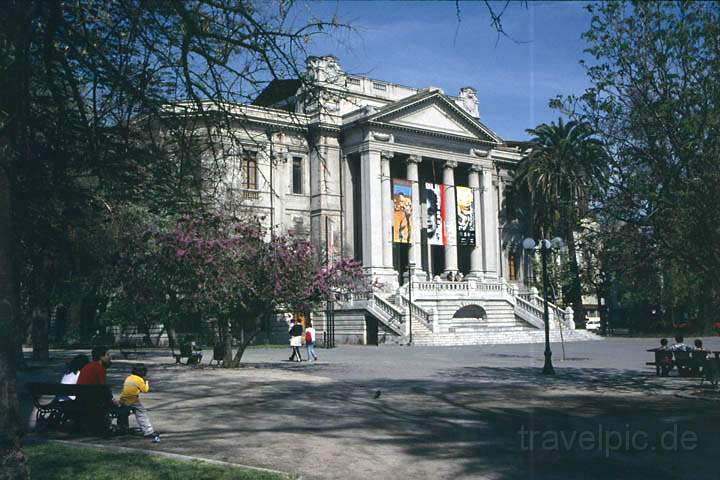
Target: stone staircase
<point>498,335</point>
<point>510,319</point>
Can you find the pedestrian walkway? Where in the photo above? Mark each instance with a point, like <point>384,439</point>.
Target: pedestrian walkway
<point>434,412</point>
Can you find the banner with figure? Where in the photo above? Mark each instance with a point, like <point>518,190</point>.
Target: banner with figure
<point>435,201</point>
<point>465,216</point>
<point>402,211</point>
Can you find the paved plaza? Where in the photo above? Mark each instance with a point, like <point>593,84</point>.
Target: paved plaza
<point>432,412</point>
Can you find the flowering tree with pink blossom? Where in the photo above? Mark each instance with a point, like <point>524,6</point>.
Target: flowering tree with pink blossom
<point>233,271</point>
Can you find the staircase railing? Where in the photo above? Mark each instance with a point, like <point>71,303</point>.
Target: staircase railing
<point>418,313</point>
<point>387,313</point>
<point>529,312</point>
<point>527,300</point>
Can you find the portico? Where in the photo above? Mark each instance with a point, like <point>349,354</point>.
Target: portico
<point>391,156</point>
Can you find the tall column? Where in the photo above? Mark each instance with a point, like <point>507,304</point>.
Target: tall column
<point>414,253</point>
<point>502,269</point>
<point>476,257</point>
<point>372,235</point>
<point>387,210</point>
<point>450,218</point>
<point>489,222</point>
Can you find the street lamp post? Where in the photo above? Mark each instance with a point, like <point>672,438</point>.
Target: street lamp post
<point>411,269</point>
<point>545,245</point>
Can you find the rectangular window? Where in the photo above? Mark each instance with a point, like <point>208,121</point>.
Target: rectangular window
<point>297,175</point>
<point>249,172</point>
<point>380,86</point>
<point>353,81</point>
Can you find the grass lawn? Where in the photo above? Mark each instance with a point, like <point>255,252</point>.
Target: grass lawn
<point>52,461</point>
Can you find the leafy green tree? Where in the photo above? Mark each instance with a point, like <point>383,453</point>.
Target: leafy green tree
<point>79,81</point>
<point>654,101</point>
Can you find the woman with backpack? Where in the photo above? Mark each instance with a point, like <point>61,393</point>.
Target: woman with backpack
<point>310,342</point>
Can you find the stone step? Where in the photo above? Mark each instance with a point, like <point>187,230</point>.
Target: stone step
<point>536,336</point>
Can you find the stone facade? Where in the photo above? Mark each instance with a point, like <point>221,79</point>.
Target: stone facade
<point>329,152</point>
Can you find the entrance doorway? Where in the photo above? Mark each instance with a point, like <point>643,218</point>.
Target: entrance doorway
<point>400,259</point>
<point>371,330</point>
<point>437,252</point>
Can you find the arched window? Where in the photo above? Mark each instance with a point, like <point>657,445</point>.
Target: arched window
<point>471,311</point>
<point>249,172</point>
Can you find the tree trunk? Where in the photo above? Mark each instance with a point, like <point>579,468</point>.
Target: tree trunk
<point>243,346</point>
<point>12,460</point>
<point>226,336</point>
<point>575,293</point>
<point>172,338</point>
<point>159,336</point>
<point>41,333</point>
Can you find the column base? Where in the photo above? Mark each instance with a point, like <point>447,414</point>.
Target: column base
<point>475,275</point>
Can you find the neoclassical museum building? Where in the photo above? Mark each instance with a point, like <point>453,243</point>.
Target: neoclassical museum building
<point>410,182</point>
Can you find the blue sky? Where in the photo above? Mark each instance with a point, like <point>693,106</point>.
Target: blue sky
<point>421,44</point>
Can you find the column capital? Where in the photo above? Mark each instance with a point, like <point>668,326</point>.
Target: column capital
<point>450,164</point>
<point>414,159</point>
<point>475,168</point>
<point>386,155</point>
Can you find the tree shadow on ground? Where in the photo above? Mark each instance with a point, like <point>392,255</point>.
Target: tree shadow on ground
<point>461,423</point>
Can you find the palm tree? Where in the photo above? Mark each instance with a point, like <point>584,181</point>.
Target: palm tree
<point>555,184</point>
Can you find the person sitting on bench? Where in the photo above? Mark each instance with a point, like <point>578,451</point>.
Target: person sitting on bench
<point>680,345</point>
<point>195,354</point>
<point>72,372</point>
<point>94,373</point>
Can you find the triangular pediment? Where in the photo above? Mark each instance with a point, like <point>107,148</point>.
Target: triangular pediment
<point>433,117</point>
<point>433,112</point>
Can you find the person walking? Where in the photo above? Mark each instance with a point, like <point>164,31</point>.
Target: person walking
<point>310,342</point>
<point>296,341</point>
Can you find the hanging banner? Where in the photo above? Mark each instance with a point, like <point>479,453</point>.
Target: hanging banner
<point>402,215</point>
<point>435,201</point>
<point>465,216</point>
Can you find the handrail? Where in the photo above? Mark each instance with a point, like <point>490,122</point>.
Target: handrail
<point>418,313</point>
<point>387,306</point>
<point>532,310</point>
<point>534,307</point>
<point>387,313</point>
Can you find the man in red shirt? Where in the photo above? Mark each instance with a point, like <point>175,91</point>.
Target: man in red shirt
<point>94,372</point>
<point>95,414</point>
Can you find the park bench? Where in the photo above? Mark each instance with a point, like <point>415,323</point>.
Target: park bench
<point>698,359</point>
<point>663,362</point>
<point>91,410</point>
<point>693,363</point>
<point>187,351</point>
<point>130,345</point>
<point>683,362</point>
<point>711,370</point>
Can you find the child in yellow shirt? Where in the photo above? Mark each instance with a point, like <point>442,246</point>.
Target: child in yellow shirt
<point>130,397</point>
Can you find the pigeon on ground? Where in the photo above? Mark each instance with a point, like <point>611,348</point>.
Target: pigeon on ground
<point>377,394</point>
